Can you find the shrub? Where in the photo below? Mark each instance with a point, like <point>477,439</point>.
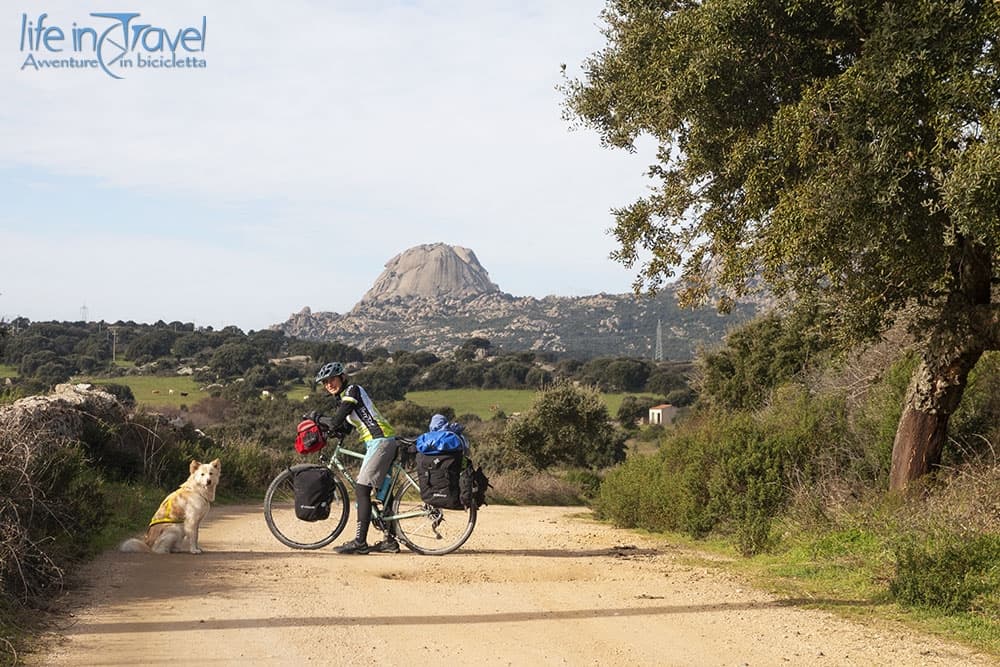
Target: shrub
<point>638,494</point>
<point>247,467</point>
<point>408,416</point>
<point>948,572</point>
<point>122,392</point>
<point>52,500</point>
<point>587,481</point>
<point>722,471</point>
<point>974,427</point>
<point>567,425</point>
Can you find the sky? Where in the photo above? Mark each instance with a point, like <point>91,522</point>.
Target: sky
<point>316,141</point>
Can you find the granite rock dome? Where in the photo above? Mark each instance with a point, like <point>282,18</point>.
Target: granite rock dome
<point>433,271</point>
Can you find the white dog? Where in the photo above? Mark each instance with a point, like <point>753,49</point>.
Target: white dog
<point>180,514</point>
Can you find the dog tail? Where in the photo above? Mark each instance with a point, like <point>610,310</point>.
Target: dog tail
<point>132,545</point>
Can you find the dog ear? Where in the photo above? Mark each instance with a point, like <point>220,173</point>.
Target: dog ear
<point>216,464</point>
<point>194,466</point>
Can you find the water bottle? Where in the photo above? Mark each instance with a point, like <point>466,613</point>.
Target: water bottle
<point>383,490</point>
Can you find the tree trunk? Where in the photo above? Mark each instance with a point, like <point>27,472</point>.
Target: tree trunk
<point>933,395</point>
<point>967,326</point>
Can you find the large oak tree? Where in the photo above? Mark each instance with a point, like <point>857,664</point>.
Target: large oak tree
<point>844,150</point>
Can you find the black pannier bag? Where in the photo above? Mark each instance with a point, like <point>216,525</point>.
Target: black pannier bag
<point>313,487</point>
<point>472,485</point>
<point>439,476</point>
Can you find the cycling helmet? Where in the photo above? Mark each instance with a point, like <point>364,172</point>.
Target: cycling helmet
<point>329,370</point>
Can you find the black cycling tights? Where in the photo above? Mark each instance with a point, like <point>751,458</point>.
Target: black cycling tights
<point>363,495</point>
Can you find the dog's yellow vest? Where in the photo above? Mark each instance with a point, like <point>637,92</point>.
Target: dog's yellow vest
<point>167,507</point>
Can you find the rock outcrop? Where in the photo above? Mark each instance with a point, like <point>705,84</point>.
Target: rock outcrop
<point>432,271</point>
<point>61,414</point>
<point>435,297</point>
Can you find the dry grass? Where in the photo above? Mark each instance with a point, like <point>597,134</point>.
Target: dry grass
<point>532,488</point>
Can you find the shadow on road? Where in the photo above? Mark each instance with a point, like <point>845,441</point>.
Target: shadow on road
<point>505,617</point>
<point>614,552</point>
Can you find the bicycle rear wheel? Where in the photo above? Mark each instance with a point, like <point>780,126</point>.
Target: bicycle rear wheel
<point>279,513</point>
<point>429,530</point>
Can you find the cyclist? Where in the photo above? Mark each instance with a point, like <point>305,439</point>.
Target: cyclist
<point>356,407</point>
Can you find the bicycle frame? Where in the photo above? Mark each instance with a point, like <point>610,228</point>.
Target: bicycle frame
<point>397,472</point>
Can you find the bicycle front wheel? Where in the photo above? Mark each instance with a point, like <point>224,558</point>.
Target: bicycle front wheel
<point>279,513</point>
<point>429,530</point>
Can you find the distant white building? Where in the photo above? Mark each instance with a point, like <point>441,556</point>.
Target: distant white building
<point>662,414</point>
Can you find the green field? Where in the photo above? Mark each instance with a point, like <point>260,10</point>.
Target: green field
<point>166,391</point>
<point>486,402</point>
<point>156,390</point>
<point>7,371</point>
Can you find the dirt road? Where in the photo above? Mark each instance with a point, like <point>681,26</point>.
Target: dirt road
<point>533,586</point>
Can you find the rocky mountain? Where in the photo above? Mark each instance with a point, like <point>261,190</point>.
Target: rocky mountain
<point>435,297</point>
<point>432,271</point>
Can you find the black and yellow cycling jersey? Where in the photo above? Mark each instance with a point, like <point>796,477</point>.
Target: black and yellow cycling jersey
<point>363,414</point>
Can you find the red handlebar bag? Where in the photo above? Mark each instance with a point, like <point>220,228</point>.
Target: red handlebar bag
<point>310,437</point>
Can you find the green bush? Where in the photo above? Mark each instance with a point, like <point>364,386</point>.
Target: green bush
<point>567,425</point>
<point>875,420</point>
<point>638,494</point>
<point>408,417</point>
<point>948,572</point>
<point>122,392</point>
<point>974,427</point>
<point>588,481</point>
<point>724,471</point>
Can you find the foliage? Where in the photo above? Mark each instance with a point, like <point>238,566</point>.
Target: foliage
<point>759,356</point>
<point>52,498</point>
<point>722,471</point>
<point>468,349</point>
<point>569,425</point>
<point>638,494</point>
<point>385,382</point>
<point>231,359</point>
<point>843,152</point>
<point>269,423</point>
<point>325,351</point>
<point>409,418</point>
<point>975,428</point>
<point>948,572</point>
<point>635,409</point>
<point>839,147</point>
<point>122,392</point>
<point>150,345</point>
<point>667,377</point>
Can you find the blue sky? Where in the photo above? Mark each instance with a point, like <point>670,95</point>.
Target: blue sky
<point>320,140</point>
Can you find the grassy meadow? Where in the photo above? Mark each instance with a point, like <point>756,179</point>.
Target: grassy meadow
<point>149,390</point>
<point>485,403</point>
<point>7,371</point>
<point>176,390</point>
